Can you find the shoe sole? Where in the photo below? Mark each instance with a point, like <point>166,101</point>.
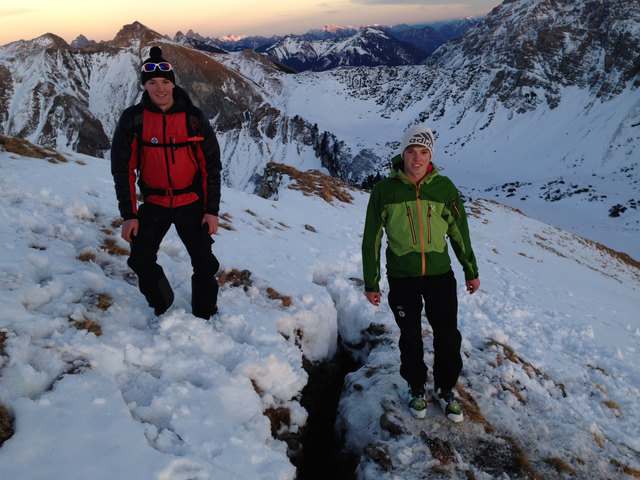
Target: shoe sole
<point>418,413</point>
<point>455,418</point>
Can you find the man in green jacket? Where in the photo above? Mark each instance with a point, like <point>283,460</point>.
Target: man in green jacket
<point>418,208</point>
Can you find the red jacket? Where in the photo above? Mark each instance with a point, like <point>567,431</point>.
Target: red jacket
<point>174,165</point>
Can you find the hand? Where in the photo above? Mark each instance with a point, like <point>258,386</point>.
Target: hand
<point>212,221</point>
<point>473,285</point>
<point>129,229</point>
<point>373,297</point>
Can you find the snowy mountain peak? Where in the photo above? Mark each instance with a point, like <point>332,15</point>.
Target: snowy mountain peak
<point>48,40</point>
<point>369,46</point>
<point>546,44</point>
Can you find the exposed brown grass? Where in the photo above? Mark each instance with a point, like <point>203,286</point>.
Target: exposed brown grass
<point>110,245</point>
<point>242,278</point>
<point>475,209</point>
<point>617,411</point>
<point>632,472</point>
<point>560,466</point>
<point>620,256</point>
<point>522,460</point>
<point>279,417</point>
<point>104,301</point>
<point>531,370</point>
<point>598,439</point>
<point>314,182</point>
<point>513,458</point>
<point>440,449</point>
<point>6,424</point>
<point>472,410</point>
<point>275,295</point>
<point>88,324</point>
<point>235,278</point>
<point>25,148</point>
<point>86,257</point>
<point>3,338</point>
<point>225,221</point>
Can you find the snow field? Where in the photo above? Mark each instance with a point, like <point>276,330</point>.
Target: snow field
<point>550,342</point>
<point>188,397</point>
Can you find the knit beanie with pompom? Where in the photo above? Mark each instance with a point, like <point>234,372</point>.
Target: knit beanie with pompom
<point>156,66</point>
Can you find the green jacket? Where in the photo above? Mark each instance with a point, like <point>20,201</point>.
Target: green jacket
<point>416,221</point>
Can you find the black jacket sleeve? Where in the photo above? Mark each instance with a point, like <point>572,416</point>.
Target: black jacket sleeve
<point>121,165</point>
<point>213,166</point>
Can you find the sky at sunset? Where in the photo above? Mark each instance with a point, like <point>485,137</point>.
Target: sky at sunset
<point>29,19</point>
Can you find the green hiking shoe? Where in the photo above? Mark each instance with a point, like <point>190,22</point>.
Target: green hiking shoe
<point>417,404</point>
<point>450,406</point>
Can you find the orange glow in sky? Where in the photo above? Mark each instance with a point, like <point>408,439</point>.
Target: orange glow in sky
<point>70,18</point>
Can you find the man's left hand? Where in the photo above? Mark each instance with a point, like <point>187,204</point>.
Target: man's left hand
<point>473,285</point>
<point>212,222</point>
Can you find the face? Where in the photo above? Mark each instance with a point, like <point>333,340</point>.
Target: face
<point>416,161</point>
<point>161,92</point>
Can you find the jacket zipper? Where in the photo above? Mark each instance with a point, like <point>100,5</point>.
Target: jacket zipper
<point>411,226</point>
<point>429,225</point>
<point>424,264</point>
<point>166,156</point>
<point>453,201</point>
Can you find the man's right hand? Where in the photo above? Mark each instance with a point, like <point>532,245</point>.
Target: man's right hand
<point>129,229</point>
<point>373,297</point>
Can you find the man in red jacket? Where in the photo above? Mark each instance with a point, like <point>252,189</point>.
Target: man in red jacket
<point>168,146</point>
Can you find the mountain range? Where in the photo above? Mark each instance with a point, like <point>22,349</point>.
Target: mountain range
<point>334,46</point>
<point>536,105</point>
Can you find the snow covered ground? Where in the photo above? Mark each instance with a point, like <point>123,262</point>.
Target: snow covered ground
<point>551,343</point>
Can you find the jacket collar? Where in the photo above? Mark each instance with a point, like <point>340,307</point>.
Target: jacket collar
<point>397,171</point>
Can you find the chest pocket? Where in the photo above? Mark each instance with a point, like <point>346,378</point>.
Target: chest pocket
<point>410,228</point>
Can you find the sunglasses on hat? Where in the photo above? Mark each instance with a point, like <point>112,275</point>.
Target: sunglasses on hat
<point>152,67</point>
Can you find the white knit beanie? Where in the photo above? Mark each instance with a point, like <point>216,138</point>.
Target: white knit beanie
<point>417,136</point>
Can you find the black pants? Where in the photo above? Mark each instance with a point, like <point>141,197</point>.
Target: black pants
<point>441,307</point>
<point>154,223</point>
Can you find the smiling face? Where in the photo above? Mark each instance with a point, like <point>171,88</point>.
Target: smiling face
<point>161,92</point>
<point>416,162</point>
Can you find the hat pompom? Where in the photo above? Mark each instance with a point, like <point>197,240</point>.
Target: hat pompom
<point>155,52</point>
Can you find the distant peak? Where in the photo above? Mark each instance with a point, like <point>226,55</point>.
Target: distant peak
<point>81,41</point>
<point>135,31</point>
